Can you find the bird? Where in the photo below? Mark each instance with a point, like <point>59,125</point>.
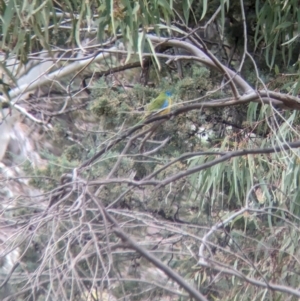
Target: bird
<point>161,105</point>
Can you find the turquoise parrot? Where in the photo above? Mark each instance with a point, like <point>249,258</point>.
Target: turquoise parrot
<point>161,105</point>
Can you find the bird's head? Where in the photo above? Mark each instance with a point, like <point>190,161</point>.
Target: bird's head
<point>169,93</point>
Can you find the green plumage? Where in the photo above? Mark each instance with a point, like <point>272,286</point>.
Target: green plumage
<point>161,104</point>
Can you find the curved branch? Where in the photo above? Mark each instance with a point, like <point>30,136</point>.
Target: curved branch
<point>45,78</point>
<point>237,79</point>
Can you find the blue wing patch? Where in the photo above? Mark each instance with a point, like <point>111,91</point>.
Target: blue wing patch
<point>165,104</point>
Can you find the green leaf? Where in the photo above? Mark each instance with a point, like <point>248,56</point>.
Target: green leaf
<point>7,18</point>
<point>284,25</point>
<point>153,52</point>
<point>135,11</point>
<point>204,9</point>
<point>186,5</point>
<point>38,9</point>
<point>164,4</point>
<point>8,73</point>
<point>130,45</point>
<point>291,40</point>
<point>296,88</point>
<point>222,15</point>
<point>113,25</point>
<point>141,43</point>
<point>78,24</point>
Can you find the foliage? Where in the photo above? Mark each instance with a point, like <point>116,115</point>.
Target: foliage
<point>100,203</point>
